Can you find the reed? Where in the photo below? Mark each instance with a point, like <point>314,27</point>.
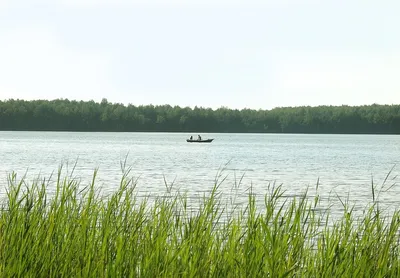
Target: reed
<point>70,231</point>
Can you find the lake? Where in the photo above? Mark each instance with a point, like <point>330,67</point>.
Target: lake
<point>344,164</point>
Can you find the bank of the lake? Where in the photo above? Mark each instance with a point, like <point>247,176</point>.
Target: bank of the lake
<point>75,232</point>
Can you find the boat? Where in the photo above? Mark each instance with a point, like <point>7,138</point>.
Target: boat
<point>199,141</point>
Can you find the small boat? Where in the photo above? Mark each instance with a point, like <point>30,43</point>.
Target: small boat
<point>199,141</point>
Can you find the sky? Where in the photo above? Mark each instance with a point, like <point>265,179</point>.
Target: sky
<point>256,54</point>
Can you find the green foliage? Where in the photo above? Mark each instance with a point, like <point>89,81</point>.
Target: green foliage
<point>67,231</point>
<point>65,115</point>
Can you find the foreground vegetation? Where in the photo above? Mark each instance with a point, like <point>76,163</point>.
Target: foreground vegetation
<point>65,115</point>
<point>70,231</point>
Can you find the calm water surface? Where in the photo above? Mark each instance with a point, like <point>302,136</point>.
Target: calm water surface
<point>344,164</point>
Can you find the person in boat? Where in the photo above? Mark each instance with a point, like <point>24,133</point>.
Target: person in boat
<point>199,138</point>
<point>191,137</point>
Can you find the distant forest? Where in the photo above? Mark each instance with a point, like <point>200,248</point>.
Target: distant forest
<point>66,115</point>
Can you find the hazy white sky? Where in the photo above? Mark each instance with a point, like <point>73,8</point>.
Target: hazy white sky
<point>211,53</point>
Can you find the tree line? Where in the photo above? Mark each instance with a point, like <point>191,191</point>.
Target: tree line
<point>71,115</point>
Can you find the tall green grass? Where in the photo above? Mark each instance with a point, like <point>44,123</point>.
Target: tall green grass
<point>77,232</point>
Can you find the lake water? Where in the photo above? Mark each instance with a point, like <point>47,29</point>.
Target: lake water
<point>344,164</point>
